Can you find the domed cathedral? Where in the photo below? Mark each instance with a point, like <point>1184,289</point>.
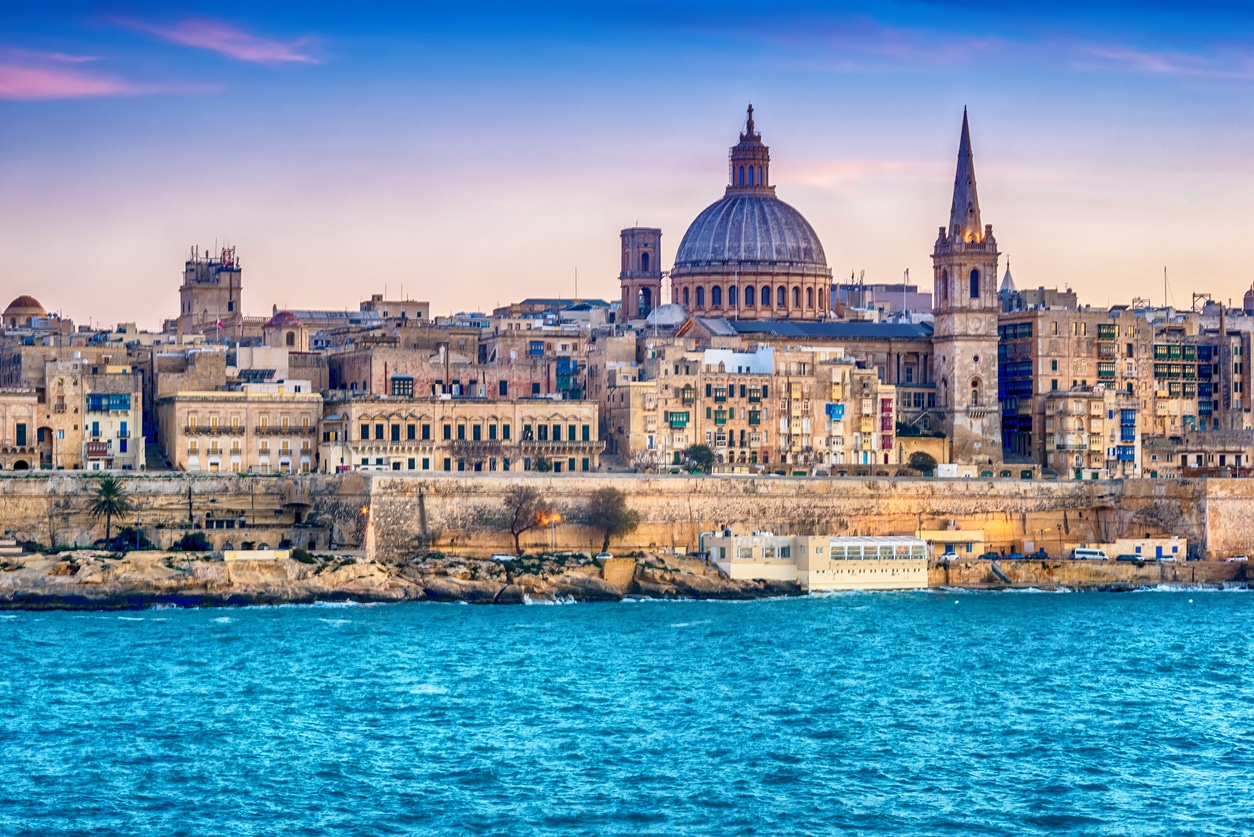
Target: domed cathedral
<point>965,325</point>
<point>751,256</point>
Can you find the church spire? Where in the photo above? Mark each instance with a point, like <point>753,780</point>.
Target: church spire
<point>964,215</point>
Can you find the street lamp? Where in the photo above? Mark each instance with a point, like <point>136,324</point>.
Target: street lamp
<point>137,531</point>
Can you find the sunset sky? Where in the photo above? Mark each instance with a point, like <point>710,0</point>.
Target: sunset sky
<point>479,153</point>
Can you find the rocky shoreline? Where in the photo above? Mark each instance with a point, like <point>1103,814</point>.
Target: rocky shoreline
<point>94,580</point>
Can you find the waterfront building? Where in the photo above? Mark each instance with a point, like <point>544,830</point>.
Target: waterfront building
<point>1092,432</point>
<point>391,433</point>
<point>261,428</point>
<point>820,563</point>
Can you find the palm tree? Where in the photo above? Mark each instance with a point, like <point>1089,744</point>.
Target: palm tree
<point>110,499</point>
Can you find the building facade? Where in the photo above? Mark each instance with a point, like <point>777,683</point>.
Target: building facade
<point>374,433</point>
<point>262,429</point>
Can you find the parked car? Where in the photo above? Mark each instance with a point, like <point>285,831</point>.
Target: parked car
<point>991,556</point>
<point>1129,558</point>
<point>1039,555</point>
<point>1015,556</point>
<point>604,556</point>
<point>1233,558</point>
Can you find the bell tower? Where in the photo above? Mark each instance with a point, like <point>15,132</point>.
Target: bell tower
<point>641,275</point>
<point>964,263</point>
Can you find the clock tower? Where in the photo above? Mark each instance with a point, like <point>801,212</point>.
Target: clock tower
<point>964,264</point>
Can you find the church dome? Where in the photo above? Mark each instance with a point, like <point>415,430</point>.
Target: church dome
<point>750,227</point>
<point>665,316</point>
<point>285,319</point>
<point>750,255</point>
<point>22,309</point>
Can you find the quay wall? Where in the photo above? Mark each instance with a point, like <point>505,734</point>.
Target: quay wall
<point>397,515</point>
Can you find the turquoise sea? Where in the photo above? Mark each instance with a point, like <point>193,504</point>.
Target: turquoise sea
<point>878,713</point>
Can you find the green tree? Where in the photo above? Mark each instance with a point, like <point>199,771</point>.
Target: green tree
<point>922,461</point>
<point>700,458</point>
<point>607,512</point>
<point>524,509</point>
<point>110,499</point>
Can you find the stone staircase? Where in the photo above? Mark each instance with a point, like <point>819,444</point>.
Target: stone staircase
<point>9,546</point>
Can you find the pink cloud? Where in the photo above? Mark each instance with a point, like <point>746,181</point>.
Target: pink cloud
<point>231,41</point>
<point>29,82</point>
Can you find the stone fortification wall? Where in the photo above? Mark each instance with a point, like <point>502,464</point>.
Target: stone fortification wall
<point>457,513</point>
<point>1084,575</point>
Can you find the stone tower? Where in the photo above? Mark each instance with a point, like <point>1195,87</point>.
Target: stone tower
<point>211,292</point>
<point>966,305</point>
<point>641,275</point>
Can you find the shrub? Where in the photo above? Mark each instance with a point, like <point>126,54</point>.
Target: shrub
<point>193,542</point>
<point>303,556</point>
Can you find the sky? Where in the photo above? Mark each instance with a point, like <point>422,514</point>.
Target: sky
<point>474,154</point>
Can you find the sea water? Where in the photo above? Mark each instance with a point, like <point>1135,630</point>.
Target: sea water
<point>878,713</point>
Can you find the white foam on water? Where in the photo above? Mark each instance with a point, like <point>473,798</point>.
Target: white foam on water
<point>223,620</point>
<point>8,615</point>
<point>336,621</point>
<point>131,618</point>
<point>428,689</point>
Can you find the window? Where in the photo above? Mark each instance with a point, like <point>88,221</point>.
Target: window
<point>781,297</point>
<point>766,296</point>
<point>502,389</point>
<point>749,297</point>
<point>716,297</point>
<point>587,434</point>
<point>403,385</point>
<point>461,432</point>
<point>731,297</point>
<point>448,433</point>
<point>975,284</point>
<point>378,431</point>
<point>426,431</point>
<point>505,436</point>
<point>411,432</point>
<point>476,432</point>
<point>700,297</point>
<point>644,262</point>
<point>796,297</point>
<point>396,432</point>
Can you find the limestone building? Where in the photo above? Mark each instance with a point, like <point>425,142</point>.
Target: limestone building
<point>211,292</point>
<point>641,273</point>
<point>387,433</point>
<point>749,255</point>
<point>965,322</point>
<point>262,428</point>
<point>19,410</point>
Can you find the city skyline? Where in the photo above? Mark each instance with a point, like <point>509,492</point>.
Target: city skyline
<point>478,157</point>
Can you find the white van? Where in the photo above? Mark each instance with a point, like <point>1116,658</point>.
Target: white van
<point>1083,553</point>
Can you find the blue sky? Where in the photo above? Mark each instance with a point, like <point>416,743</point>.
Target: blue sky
<point>478,153</point>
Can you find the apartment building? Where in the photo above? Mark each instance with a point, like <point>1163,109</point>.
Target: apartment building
<point>261,428</point>
<point>389,433</point>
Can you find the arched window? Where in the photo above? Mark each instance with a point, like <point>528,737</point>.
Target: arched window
<point>975,393</point>
<point>644,262</point>
<point>766,296</point>
<point>700,297</point>
<point>822,299</point>
<point>742,175</point>
<point>749,297</point>
<point>781,297</point>
<point>761,180</point>
<point>750,175</point>
<point>685,297</point>
<point>809,297</point>
<point>291,338</point>
<point>731,297</point>
<point>716,297</point>
<point>796,297</point>
<point>944,288</point>
<point>975,284</point>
